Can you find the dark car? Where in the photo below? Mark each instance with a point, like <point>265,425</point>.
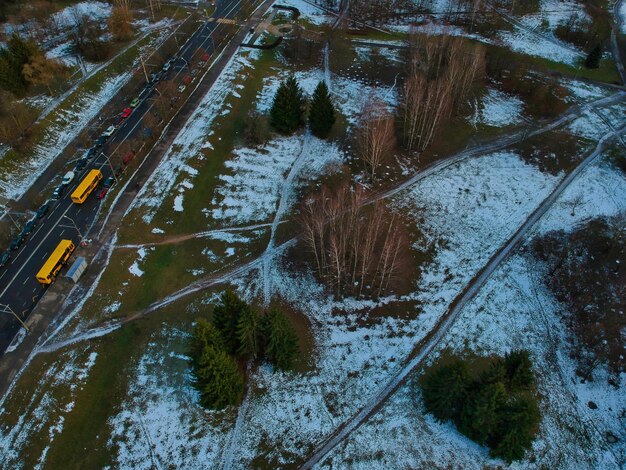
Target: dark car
<point>17,241</point>
<point>102,193</point>
<point>43,210</point>
<point>58,192</point>
<point>110,181</point>
<point>29,227</point>
<point>4,258</point>
<point>100,142</point>
<point>82,163</point>
<point>90,153</point>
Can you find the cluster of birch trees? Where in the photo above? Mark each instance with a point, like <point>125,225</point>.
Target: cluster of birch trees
<point>359,248</point>
<point>441,72</point>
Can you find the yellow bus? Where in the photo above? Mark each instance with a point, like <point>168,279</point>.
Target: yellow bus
<point>86,186</point>
<point>57,259</point>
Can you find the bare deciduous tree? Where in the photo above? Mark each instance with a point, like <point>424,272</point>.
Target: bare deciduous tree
<point>376,137</point>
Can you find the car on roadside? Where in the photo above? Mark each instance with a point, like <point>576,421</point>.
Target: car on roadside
<point>68,178</point>
<point>89,154</point>
<point>4,258</point>
<point>102,193</point>
<point>127,112</point>
<point>134,103</point>
<point>167,65</point>
<point>109,132</point>
<point>100,142</point>
<point>110,181</point>
<point>128,157</point>
<point>81,164</point>
<point>17,241</point>
<point>43,210</point>
<point>29,227</point>
<point>201,64</point>
<point>155,77</point>
<point>194,72</point>
<point>58,192</point>
<point>181,88</point>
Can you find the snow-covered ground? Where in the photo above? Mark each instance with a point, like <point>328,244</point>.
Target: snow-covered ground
<point>69,16</point>
<point>497,109</point>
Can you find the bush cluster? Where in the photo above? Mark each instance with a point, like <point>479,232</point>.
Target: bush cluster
<point>497,409</point>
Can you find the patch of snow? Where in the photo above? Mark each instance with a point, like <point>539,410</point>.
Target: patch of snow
<point>310,13</point>
<point>17,340</point>
<point>95,11</point>
<point>178,203</point>
<point>252,190</point>
<point>498,109</point>
<point>114,307</point>
<point>521,40</point>
<point>157,230</point>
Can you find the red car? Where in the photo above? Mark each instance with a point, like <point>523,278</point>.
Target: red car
<point>103,193</point>
<point>128,157</point>
<point>126,112</point>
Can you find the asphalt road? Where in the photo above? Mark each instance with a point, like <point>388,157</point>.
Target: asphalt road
<point>19,288</point>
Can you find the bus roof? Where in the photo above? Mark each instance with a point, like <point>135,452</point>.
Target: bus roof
<point>54,258</point>
<point>84,184</point>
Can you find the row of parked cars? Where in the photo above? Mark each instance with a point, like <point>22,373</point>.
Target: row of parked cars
<point>81,165</point>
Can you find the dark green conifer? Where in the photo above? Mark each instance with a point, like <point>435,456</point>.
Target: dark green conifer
<point>225,318</point>
<point>593,59</point>
<point>287,113</point>
<point>444,390</point>
<point>280,339</point>
<point>322,112</point>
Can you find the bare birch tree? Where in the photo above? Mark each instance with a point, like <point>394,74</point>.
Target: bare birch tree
<point>375,135</point>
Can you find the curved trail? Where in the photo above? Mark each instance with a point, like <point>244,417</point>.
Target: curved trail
<point>446,322</point>
<point>212,280</point>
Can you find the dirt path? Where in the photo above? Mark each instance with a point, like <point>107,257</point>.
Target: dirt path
<point>446,322</point>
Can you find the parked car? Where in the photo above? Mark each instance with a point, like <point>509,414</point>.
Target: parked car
<point>128,157</point>
<point>109,132</point>
<point>29,227</point>
<point>127,112</point>
<point>155,77</point>
<point>134,103</point>
<point>102,193</point>
<point>4,258</point>
<point>58,192</point>
<point>81,164</point>
<point>167,65</point>
<point>17,241</point>
<point>194,72</point>
<point>89,154</point>
<point>68,178</point>
<point>100,142</point>
<point>181,88</point>
<point>43,210</point>
<point>110,181</point>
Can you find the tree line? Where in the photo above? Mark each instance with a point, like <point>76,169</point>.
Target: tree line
<point>498,408</point>
<point>237,331</point>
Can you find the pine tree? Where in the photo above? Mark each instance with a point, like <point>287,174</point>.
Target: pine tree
<point>218,379</point>
<point>280,339</point>
<point>480,413</point>
<point>248,327</point>
<point>593,59</point>
<point>517,424</point>
<point>287,110</point>
<point>225,318</point>
<point>204,335</point>
<point>322,113</point>
<point>444,390</point>
<point>519,373</point>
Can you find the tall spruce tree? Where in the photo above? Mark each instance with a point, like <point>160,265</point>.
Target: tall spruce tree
<point>217,378</point>
<point>519,373</point>
<point>287,113</point>
<point>322,112</point>
<point>248,331</point>
<point>593,59</point>
<point>225,317</point>
<point>204,335</point>
<point>480,414</point>
<point>280,339</point>
<point>445,389</point>
<point>517,425</point>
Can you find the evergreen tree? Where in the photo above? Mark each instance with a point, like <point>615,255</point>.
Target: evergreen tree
<point>287,110</point>
<point>593,59</point>
<point>444,390</point>
<point>495,373</point>
<point>12,60</point>
<point>225,318</point>
<point>519,371</point>
<point>517,424</point>
<point>322,112</point>
<point>217,378</point>
<point>280,339</point>
<point>248,327</point>
<point>204,335</point>
<point>480,413</point>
